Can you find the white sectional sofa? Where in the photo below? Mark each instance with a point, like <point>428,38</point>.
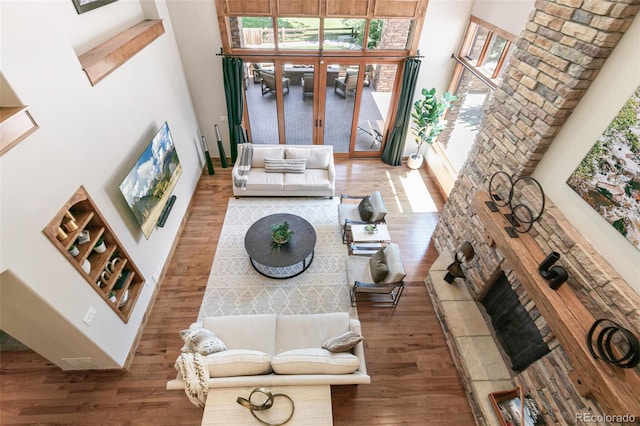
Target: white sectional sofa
<point>316,180</point>
<point>286,350</point>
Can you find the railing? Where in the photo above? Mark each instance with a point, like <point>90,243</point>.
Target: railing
<point>259,36</point>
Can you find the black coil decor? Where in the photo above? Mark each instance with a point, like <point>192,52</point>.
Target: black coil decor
<point>613,344</point>
<point>506,192</point>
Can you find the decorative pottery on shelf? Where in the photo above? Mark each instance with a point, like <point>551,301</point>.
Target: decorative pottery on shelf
<point>100,246</point>
<point>73,250</point>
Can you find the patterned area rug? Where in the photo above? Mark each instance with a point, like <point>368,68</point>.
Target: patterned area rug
<point>234,287</point>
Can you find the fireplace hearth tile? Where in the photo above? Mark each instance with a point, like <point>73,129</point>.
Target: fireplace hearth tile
<point>445,291</point>
<point>442,262</point>
<point>464,318</point>
<point>482,359</point>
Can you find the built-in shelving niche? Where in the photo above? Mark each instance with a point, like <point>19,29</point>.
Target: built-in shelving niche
<point>122,286</point>
<point>103,59</point>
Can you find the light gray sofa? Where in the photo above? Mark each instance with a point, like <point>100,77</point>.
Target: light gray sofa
<point>318,179</point>
<point>290,344</point>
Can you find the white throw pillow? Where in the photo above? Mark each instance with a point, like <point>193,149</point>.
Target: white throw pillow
<point>343,343</point>
<point>201,340</point>
<point>238,362</point>
<point>314,361</point>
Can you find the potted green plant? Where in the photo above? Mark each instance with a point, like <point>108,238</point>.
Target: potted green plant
<point>280,234</point>
<point>100,246</point>
<point>427,120</point>
<point>73,250</point>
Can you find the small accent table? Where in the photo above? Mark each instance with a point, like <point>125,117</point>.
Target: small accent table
<point>293,258</point>
<point>312,406</point>
<point>366,243</point>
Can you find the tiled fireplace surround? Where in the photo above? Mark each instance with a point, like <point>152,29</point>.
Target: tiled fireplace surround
<point>560,52</point>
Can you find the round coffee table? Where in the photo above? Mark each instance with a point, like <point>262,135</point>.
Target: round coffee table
<point>293,258</point>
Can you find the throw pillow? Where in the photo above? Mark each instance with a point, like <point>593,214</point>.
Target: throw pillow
<point>379,267</point>
<point>343,343</point>
<point>292,165</point>
<point>202,341</point>
<point>365,209</point>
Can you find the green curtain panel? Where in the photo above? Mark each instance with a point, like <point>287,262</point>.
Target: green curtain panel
<point>233,75</point>
<point>394,148</point>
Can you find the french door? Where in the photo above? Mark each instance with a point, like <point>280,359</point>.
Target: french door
<point>341,102</point>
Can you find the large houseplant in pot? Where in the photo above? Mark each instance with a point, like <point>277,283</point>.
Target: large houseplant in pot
<point>427,120</point>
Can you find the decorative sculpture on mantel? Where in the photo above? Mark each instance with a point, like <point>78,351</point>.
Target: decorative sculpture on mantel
<point>626,353</point>
<point>524,211</point>
<point>455,269</point>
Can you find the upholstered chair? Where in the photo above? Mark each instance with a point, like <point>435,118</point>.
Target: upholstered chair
<point>268,83</point>
<point>370,210</point>
<point>380,278</point>
<point>345,85</point>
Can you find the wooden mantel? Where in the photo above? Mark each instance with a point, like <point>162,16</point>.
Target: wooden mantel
<point>615,388</point>
<point>106,57</point>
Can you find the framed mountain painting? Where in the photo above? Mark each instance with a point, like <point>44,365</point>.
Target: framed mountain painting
<point>608,178</point>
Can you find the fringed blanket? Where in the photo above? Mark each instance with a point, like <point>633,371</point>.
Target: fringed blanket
<point>193,368</point>
<point>241,172</point>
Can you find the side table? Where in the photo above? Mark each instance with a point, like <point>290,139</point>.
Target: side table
<point>366,243</point>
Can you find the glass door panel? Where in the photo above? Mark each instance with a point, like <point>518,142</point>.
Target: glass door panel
<point>299,103</point>
<point>262,103</point>
<point>377,89</point>
<point>341,98</point>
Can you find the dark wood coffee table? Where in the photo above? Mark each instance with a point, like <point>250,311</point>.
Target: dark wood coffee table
<point>293,258</point>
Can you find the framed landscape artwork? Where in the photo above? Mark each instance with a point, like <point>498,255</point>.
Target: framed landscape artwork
<point>83,6</point>
<point>608,178</point>
<point>148,186</point>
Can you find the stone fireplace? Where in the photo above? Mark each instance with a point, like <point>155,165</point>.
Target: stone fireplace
<point>560,52</point>
<point>514,327</point>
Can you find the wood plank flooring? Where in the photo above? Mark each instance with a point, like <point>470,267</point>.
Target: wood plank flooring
<point>413,377</point>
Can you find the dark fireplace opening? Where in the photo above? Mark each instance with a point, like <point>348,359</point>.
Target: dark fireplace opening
<point>514,327</point>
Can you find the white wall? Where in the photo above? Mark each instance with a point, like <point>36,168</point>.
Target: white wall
<point>617,80</point>
<point>444,26</point>
<point>451,18</point>
<point>509,15</point>
<point>88,136</point>
<point>198,36</point>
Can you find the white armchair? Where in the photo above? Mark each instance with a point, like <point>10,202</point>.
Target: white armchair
<point>370,209</point>
<point>380,277</point>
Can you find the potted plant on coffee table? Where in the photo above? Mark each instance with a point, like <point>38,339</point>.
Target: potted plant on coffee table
<point>280,234</point>
<point>427,120</point>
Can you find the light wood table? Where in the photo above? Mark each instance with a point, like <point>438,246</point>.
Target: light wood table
<point>366,243</point>
<point>312,406</point>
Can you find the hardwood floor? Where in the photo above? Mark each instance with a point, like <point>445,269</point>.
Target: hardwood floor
<point>413,377</point>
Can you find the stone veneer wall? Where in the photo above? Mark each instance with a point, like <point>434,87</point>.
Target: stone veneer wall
<point>560,52</point>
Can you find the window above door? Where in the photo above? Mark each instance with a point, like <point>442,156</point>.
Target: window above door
<point>280,26</point>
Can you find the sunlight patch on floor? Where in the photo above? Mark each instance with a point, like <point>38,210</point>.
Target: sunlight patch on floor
<point>395,192</point>
<point>417,193</point>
